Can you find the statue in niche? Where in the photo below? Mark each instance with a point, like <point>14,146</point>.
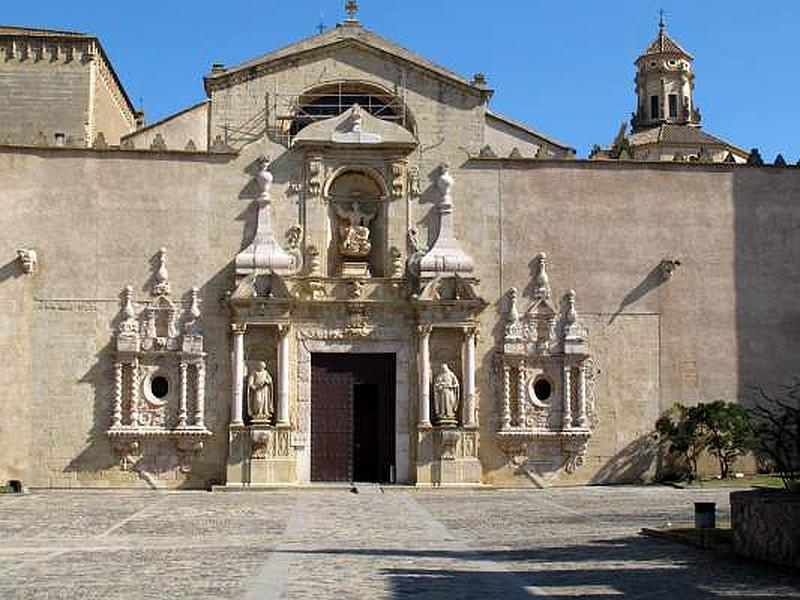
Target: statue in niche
<point>260,397</point>
<point>446,391</point>
<point>355,235</point>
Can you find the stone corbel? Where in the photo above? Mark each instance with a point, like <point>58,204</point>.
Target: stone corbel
<point>28,260</point>
<point>188,448</point>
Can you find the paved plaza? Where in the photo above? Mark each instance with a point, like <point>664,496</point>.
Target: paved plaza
<point>397,543</point>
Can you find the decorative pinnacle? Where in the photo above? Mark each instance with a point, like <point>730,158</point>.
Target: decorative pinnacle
<point>661,25</point>
<point>351,6</point>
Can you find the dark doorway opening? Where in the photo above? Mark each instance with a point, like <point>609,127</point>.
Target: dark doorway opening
<point>352,417</point>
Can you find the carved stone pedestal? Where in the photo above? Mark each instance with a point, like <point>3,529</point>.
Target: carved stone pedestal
<point>355,269</point>
<point>260,455</point>
<point>448,456</point>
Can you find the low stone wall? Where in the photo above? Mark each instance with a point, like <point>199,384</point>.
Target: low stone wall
<point>766,525</point>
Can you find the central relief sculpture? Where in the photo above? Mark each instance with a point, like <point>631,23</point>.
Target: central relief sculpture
<point>354,239</point>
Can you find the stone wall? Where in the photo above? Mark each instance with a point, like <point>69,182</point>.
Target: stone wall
<point>766,526</point>
<point>42,96</point>
<point>96,219</point>
<point>176,130</point>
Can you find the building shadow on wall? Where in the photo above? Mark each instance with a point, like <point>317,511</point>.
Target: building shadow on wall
<point>651,281</point>
<point>12,268</point>
<point>766,260</point>
<point>641,461</point>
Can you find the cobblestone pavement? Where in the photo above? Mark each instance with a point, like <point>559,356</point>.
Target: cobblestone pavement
<point>578,542</point>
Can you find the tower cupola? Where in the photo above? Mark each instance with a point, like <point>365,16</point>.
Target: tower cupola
<point>664,84</point>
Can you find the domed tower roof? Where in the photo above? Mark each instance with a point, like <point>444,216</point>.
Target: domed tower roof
<point>664,44</point>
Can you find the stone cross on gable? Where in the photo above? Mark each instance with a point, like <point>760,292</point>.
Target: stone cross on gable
<point>351,6</point>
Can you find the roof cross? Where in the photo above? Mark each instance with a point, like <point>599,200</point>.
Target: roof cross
<point>351,6</point>
<point>661,24</point>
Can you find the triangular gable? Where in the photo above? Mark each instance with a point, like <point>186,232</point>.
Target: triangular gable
<point>347,34</point>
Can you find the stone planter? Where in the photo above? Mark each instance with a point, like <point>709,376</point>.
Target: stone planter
<point>766,525</point>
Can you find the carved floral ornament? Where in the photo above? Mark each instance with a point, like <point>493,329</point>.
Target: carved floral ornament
<point>159,375</point>
<point>546,381</point>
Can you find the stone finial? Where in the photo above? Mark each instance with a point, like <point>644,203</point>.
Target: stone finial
<point>219,145</point>
<point>195,308</point>
<point>100,141</point>
<point>755,158</point>
<point>314,262</point>
<point>356,119</point>
<point>487,152</point>
<point>541,282</point>
<point>127,144</point>
<point>127,307</point>
<point>161,286</point>
<point>780,161</point>
<point>158,143</point>
<point>445,184</point>
<point>515,153</point>
<point>512,314</point>
<point>264,178</point>
<point>397,264</point>
<point>28,259</point>
<point>190,146</point>
<point>479,80</point>
<point>192,325</point>
<point>570,315</point>
<point>729,158</point>
<point>128,327</point>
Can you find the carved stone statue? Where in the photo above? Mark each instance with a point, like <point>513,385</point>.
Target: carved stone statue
<point>260,397</point>
<point>446,391</point>
<point>355,235</point>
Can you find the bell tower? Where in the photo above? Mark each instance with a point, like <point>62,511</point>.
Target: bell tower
<point>664,84</point>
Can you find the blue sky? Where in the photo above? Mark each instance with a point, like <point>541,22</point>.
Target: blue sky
<point>565,68</point>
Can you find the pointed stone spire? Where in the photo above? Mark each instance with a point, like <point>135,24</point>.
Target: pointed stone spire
<point>445,256</point>
<point>780,161</point>
<point>264,253</point>
<point>541,282</point>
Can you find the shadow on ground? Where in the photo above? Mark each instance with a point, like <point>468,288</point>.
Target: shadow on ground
<point>632,567</point>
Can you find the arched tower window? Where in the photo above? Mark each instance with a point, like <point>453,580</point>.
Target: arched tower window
<point>333,99</point>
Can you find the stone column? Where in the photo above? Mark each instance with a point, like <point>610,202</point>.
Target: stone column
<point>424,368</point>
<point>184,395</point>
<point>237,374</point>
<point>505,419</point>
<point>521,403</point>
<point>567,388</point>
<point>135,392</point>
<point>581,395</point>
<point>468,378</point>
<point>283,376</point>
<point>116,415</point>
<point>200,406</point>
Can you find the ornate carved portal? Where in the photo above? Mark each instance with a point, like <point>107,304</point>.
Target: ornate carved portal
<point>545,383</point>
<point>355,295</point>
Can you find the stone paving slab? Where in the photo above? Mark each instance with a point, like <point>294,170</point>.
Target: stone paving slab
<point>576,542</point>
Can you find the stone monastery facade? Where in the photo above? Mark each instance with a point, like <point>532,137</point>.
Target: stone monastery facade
<point>342,266</point>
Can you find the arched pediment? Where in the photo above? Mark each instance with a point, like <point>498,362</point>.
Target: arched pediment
<point>355,128</point>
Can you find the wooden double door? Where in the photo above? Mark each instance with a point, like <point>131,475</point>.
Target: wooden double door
<point>352,417</point>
